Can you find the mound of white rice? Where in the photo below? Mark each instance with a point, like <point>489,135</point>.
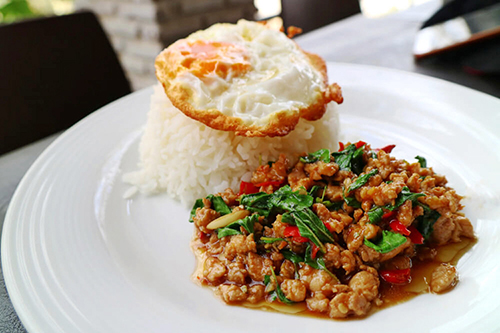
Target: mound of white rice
<point>189,160</point>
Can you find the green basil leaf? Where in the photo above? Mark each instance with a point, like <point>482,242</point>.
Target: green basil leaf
<point>223,232</point>
<point>317,263</point>
<point>292,256</point>
<point>388,242</point>
<point>310,226</point>
<point>422,161</point>
<point>336,205</point>
<point>405,195</point>
<point>343,158</point>
<point>375,214</point>
<point>287,218</point>
<point>219,205</point>
<point>361,180</point>
<point>257,203</point>
<point>425,223</point>
<point>235,228</point>
<point>320,155</point>
<point>287,200</point>
<point>353,202</point>
<point>307,231</point>
<point>277,292</point>
<point>197,204</point>
<point>270,240</point>
<point>313,190</point>
<point>357,162</point>
<point>308,258</point>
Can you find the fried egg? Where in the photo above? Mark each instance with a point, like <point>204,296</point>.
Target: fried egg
<point>246,78</point>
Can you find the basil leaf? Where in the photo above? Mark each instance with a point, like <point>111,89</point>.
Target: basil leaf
<point>357,162</point>
<point>235,228</point>
<point>375,214</point>
<point>310,226</point>
<point>350,201</point>
<point>308,258</point>
<point>336,205</point>
<point>277,292</point>
<point>287,200</point>
<point>317,263</point>
<point>307,231</point>
<point>219,205</point>
<point>425,223</point>
<point>422,161</point>
<point>287,218</point>
<point>320,155</point>
<point>257,203</point>
<point>292,256</point>
<point>388,242</point>
<point>343,158</point>
<point>361,180</point>
<point>270,240</point>
<point>313,190</point>
<point>283,199</point>
<point>197,204</point>
<point>405,195</point>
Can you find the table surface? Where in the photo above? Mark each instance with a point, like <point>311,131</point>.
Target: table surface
<point>356,39</point>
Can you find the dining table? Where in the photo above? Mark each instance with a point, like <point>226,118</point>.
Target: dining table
<point>383,42</point>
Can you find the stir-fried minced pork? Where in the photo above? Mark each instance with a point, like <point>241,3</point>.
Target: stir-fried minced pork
<point>328,231</point>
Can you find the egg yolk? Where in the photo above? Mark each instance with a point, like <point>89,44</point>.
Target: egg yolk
<point>202,58</point>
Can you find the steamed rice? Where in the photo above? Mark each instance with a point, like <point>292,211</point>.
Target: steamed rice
<point>188,160</point>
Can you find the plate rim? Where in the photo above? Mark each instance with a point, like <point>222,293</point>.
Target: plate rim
<point>14,287</point>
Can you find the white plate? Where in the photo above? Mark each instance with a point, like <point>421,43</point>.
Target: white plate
<point>79,258</point>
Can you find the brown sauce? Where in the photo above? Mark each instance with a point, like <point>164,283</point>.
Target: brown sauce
<point>390,294</point>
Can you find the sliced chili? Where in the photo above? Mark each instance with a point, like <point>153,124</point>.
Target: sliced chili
<point>293,232</point>
<point>415,236</point>
<point>388,215</point>
<point>398,227</point>
<point>388,148</point>
<point>248,188</point>
<point>396,276</point>
<point>341,146</point>
<point>314,250</point>
<point>359,144</point>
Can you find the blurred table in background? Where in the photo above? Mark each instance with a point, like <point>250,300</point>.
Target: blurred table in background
<point>388,42</point>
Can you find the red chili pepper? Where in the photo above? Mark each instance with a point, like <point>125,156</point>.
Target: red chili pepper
<point>398,227</point>
<point>274,183</point>
<point>388,148</point>
<point>329,226</point>
<point>341,146</point>
<point>415,236</point>
<point>314,250</point>
<point>248,188</point>
<point>203,237</point>
<point>388,215</point>
<point>359,144</point>
<point>396,276</point>
<point>293,231</point>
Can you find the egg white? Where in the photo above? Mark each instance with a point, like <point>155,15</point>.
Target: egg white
<point>281,77</point>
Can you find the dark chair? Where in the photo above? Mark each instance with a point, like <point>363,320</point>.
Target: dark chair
<point>54,71</point>
<point>313,14</point>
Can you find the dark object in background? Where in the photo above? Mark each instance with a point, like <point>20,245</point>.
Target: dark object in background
<point>465,32</point>
<point>54,71</point>
<point>313,14</point>
<point>457,8</point>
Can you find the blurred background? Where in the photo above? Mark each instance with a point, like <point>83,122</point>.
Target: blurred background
<point>140,29</point>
